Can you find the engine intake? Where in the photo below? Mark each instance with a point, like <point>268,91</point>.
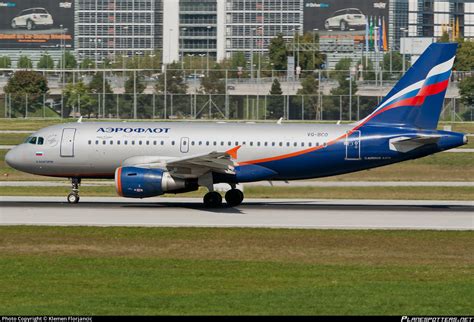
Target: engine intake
<point>133,182</point>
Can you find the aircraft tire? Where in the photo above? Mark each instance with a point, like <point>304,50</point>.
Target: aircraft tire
<point>73,198</point>
<point>212,199</point>
<point>234,197</point>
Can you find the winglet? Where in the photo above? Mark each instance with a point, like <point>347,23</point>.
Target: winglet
<point>233,152</point>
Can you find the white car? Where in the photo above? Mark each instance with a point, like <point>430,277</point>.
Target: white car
<point>32,18</point>
<point>345,19</point>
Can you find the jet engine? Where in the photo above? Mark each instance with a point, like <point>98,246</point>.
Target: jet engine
<point>133,182</point>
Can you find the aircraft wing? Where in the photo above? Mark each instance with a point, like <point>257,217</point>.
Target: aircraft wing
<point>406,144</point>
<point>189,166</point>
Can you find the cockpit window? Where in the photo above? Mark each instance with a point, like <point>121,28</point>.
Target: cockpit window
<point>27,139</point>
<point>32,140</point>
<point>40,140</point>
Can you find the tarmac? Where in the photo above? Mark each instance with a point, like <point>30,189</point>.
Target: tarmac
<point>253,213</point>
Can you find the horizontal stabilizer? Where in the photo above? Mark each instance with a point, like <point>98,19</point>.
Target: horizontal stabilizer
<point>406,144</point>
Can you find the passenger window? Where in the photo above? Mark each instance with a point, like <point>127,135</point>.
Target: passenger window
<point>215,143</point>
<point>125,142</point>
<point>310,144</point>
<point>266,144</point>
<point>40,141</point>
<point>207,142</point>
<point>222,143</point>
<point>192,142</point>
<point>96,142</point>
<point>133,142</point>
<point>281,144</point>
<point>111,142</point>
<point>236,143</point>
<point>200,142</point>
<point>172,142</point>
<point>147,142</point>
<point>273,143</point>
<point>89,142</point>
<point>154,142</point>
<point>229,143</point>
<point>103,142</point>
<point>118,142</point>
<point>287,143</point>
<point>139,142</point>
<point>162,142</point>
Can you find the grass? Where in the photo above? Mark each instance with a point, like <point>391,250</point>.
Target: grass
<point>189,271</point>
<point>407,193</point>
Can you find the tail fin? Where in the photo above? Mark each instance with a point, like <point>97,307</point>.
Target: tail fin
<point>417,99</point>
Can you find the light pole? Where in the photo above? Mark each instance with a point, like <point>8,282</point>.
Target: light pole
<point>169,45</point>
<point>315,30</point>
<point>182,47</point>
<point>208,35</point>
<point>252,30</point>
<point>405,33</point>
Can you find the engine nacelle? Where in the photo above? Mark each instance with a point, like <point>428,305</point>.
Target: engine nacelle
<point>133,182</point>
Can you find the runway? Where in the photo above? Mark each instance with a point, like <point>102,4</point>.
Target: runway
<point>268,213</point>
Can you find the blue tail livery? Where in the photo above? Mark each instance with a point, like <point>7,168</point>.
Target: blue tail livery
<point>417,99</point>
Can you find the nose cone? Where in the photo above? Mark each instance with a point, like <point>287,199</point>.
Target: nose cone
<point>13,158</point>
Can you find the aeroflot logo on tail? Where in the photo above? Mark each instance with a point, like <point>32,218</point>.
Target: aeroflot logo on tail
<point>133,130</point>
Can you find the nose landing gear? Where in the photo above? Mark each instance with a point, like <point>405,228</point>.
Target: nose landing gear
<point>73,197</point>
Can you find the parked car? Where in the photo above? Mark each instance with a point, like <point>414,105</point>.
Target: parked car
<point>32,18</point>
<point>345,19</point>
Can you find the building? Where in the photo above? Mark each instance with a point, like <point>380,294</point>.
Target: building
<point>398,22</point>
<point>251,24</point>
<point>109,28</point>
<point>193,28</point>
<point>430,18</point>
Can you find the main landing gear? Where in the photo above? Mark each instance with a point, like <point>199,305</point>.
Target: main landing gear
<point>233,197</point>
<point>73,197</point>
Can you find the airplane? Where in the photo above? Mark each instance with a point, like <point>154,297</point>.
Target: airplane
<point>148,159</point>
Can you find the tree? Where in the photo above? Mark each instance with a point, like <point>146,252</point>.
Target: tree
<point>275,101</point>
<point>24,62</point>
<point>69,61</point>
<point>278,53</point>
<point>212,84</point>
<point>87,63</point>
<point>347,86</point>
<point>308,59</point>
<point>5,62</point>
<point>309,89</point>
<point>464,57</point>
<point>174,81</point>
<point>77,98</point>
<point>45,62</point>
<point>136,86</point>
<point>444,37</point>
<point>466,90</point>
<point>26,90</point>
<point>367,69</point>
<point>396,60</point>
<point>103,92</point>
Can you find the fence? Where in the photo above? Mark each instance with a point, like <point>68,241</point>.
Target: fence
<point>204,106</point>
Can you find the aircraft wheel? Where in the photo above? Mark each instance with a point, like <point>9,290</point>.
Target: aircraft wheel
<point>73,198</point>
<point>234,197</point>
<point>212,199</point>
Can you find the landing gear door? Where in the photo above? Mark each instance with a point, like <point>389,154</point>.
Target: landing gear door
<point>67,142</point>
<point>353,146</point>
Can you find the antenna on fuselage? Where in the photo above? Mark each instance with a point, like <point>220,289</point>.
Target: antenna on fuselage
<point>80,119</point>
<point>280,120</point>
